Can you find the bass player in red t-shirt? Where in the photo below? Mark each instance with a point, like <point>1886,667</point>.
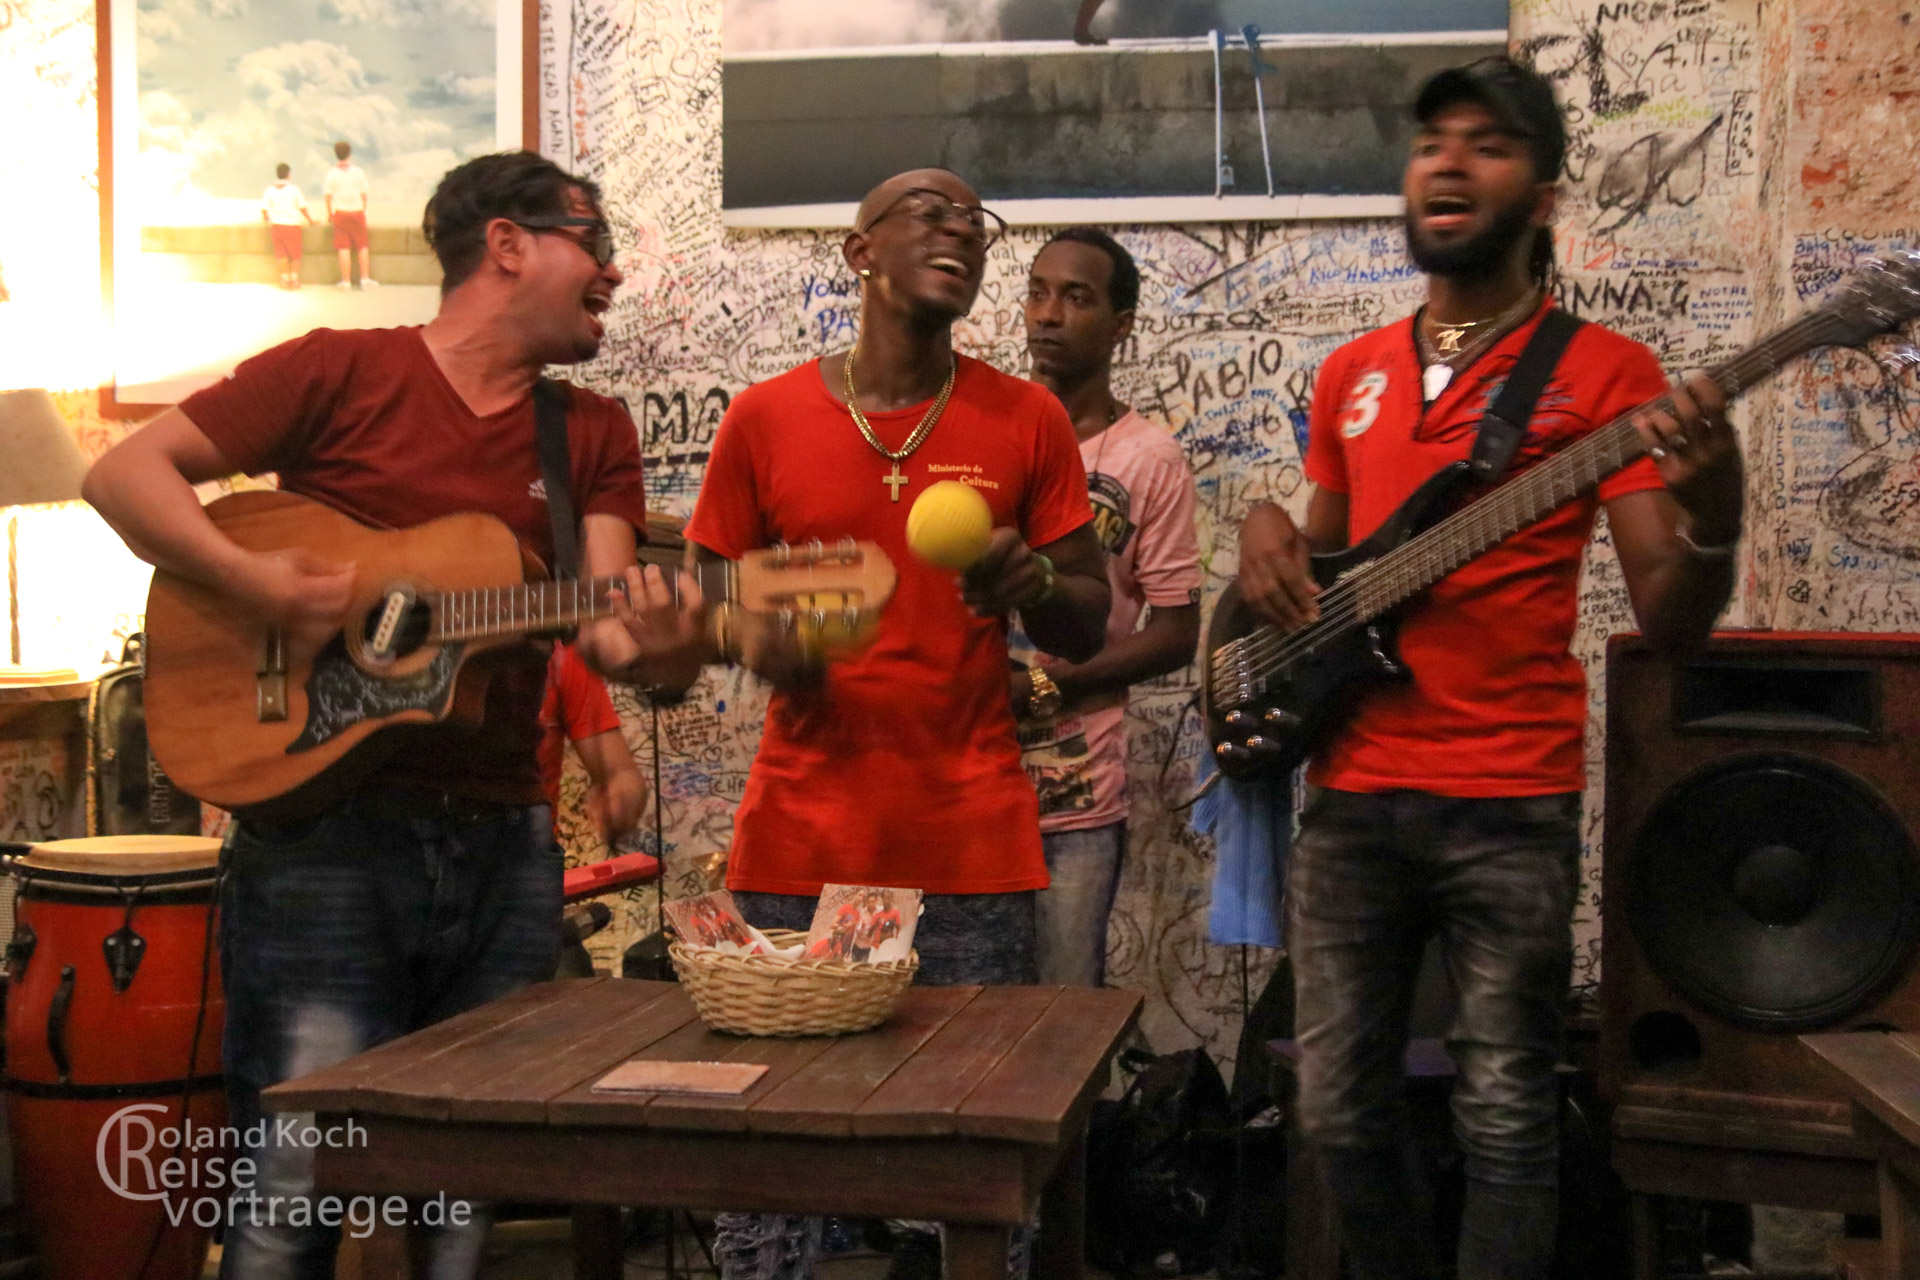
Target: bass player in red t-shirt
<point>1449,803</point>
<point>900,766</point>
<point>434,886</point>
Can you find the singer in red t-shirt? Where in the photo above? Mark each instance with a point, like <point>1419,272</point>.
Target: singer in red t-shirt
<point>1448,805</point>
<point>899,765</point>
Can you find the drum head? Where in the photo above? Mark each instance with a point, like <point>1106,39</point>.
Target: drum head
<point>121,856</point>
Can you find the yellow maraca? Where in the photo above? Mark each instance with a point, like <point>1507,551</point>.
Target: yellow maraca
<point>950,525</point>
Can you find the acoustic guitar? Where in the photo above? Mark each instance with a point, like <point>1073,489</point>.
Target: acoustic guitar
<point>240,717</point>
<point>1271,697</point>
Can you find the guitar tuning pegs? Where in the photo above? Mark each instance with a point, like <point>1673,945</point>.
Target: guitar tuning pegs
<point>1262,746</point>
<point>1284,721</point>
<point>848,550</point>
<point>1229,753</point>
<point>1241,720</point>
<point>816,551</point>
<point>782,555</point>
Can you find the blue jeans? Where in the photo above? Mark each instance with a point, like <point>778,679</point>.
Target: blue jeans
<point>1070,915</point>
<point>1372,877</point>
<point>341,933</point>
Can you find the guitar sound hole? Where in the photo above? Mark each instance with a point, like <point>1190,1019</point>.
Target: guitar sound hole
<point>416,619</point>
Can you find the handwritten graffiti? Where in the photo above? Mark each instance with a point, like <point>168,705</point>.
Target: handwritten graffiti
<point>1655,167</point>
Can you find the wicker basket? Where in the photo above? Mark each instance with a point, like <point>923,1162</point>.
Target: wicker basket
<point>768,996</point>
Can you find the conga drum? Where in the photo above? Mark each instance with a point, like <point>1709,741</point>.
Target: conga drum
<point>114,1015</point>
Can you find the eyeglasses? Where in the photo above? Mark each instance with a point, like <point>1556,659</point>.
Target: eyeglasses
<point>598,242</point>
<point>937,210</point>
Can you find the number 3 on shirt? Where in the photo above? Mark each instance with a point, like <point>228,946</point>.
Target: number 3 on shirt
<point>1363,404</point>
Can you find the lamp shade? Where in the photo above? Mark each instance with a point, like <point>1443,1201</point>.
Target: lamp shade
<point>39,461</point>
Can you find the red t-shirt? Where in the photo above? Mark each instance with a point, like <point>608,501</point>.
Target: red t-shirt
<point>1497,703</point>
<point>903,768</point>
<point>576,705</point>
<point>364,421</point>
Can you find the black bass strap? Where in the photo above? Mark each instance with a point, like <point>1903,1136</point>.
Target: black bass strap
<point>556,470</point>
<point>1506,419</point>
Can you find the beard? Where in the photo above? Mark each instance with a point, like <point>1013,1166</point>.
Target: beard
<point>1479,256</point>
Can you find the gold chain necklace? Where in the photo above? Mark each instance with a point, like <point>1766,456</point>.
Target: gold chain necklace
<point>894,479</point>
<point>1443,361</point>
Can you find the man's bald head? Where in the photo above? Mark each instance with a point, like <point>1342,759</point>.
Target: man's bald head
<point>888,193</point>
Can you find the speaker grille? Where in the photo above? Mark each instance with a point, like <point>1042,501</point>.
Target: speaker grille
<point>1774,890</point>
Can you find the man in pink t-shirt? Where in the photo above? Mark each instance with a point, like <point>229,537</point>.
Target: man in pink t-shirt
<point>1081,292</point>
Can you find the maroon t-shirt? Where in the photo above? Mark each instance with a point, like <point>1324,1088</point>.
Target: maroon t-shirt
<point>364,421</point>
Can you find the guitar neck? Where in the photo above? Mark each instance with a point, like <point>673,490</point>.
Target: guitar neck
<point>533,608</point>
<point>1534,494</point>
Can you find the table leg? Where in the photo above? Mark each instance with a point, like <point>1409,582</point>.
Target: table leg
<point>976,1252</point>
<point>1060,1253</point>
<point>597,1252</point>
<point>1899,1224</point>
<point>381,1254</point>
<point>1646,1236</point>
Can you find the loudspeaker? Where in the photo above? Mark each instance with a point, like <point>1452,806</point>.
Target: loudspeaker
<point>1760,879</point>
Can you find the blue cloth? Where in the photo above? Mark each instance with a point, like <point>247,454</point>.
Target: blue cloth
<point>1252,828</point>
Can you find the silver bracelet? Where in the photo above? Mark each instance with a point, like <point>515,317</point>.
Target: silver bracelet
<point>1722,551</point>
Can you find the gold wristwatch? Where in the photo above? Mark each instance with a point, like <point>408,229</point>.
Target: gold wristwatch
<point>1045,701</point>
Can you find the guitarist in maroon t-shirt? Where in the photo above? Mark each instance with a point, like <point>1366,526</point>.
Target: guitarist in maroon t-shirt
<point>435,886</point>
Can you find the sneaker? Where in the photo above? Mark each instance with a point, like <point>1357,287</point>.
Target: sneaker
<point>344,284</point>
<point>369,283</point>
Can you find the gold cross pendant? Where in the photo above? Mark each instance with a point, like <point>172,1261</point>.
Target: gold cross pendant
<point>894,481</point>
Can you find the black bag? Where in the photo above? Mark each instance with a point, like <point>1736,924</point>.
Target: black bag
<point>1156,1183</point>
<point>127,792</point>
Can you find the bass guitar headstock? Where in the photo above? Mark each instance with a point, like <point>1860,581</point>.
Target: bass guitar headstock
<point>1880,296</point>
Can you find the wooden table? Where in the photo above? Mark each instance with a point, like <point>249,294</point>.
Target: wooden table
<point>969,1107</point>
<point>1881,1071</point>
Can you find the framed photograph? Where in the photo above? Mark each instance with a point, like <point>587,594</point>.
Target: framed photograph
<point>264,167</point>
<point>1084,110</point>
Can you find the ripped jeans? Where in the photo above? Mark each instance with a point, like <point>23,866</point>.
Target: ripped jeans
<point>384,915</point>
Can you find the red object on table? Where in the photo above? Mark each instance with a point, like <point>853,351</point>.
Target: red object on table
<point>614,873</point>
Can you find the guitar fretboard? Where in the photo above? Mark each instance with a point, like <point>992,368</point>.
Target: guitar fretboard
<point>1391,579</point>
<point>1537,492</point>
<point>536,607</point>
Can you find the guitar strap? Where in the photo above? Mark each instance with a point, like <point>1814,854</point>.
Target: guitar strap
<point>1506,419</point>
<point>556,470</point>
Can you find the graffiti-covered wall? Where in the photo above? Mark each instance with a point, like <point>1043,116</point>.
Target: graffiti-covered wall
<point>1729,160</point>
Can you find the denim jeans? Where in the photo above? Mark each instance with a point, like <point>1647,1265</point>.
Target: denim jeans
<point>350,930</point>
<point>1071,913</point>
<point>962,939</point>
<point>1372,877</point>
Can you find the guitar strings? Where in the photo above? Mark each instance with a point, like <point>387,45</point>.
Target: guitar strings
<point>463,615</point>
<point>1401,572</point>
<point>1343,599</point>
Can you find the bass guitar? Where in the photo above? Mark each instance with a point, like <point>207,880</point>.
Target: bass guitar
<point>240,716</point>
<point>1271,697</point>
